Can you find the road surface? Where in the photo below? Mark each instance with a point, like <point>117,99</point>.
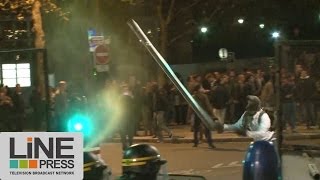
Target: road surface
<point>223,163</point>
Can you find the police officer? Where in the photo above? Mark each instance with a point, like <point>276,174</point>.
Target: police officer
<point>141,161</point>
<point>94,167</point>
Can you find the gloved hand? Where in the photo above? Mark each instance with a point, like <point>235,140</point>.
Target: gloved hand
<point>219,127</point>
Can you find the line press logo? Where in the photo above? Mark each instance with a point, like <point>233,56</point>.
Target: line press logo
<point>41,155</point>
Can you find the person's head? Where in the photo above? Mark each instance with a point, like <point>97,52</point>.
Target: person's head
<point>241,78</point>
<point>298,68</point>
<point>198,78</point>
<point>62,85</point>
<point>224,79</point>
<point>209,77</point>
<point>217,75</point>
<point>125,87</point>
<point>284,80</point>
<point>253,105</point>
<point>2,92</point>
<point>18,88</point>
<point>304,73</point>
<point>232,74</point>
<point>196,88</point>
<point>141,161</point>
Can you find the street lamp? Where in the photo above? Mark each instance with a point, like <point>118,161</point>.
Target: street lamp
<point>240,21</point>
<point>204,29</point>
<point>261,26</point>
<point>275,35</point>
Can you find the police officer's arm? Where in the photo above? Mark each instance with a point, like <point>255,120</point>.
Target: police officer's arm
<point>234,127</point>
<point>263,128</point>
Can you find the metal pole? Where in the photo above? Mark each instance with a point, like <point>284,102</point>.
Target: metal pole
<point>278,119</point>
<point>203,115</point>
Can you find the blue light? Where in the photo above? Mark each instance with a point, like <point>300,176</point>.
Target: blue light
<point>80,123</point>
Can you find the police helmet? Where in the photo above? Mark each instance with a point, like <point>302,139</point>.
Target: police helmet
<point>94,167</point>
<point>141,160</point>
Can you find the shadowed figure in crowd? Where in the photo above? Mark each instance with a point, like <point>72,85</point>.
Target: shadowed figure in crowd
<point>127,126</point>
<point>160,107</point>
<point>6,108</point>
<point>204,102</point>
<point>19,108</point>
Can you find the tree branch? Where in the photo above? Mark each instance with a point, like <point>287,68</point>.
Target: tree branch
<point>214,12</point>
<point>170,12</point>
<point>159,9</point>
<point>186,8</point>
<point>180,36</point>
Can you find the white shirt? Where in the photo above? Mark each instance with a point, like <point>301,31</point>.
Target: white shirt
<point>257,131</point>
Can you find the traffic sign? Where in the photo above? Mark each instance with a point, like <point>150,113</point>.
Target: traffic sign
<point>95,41</point>
<point>101,54</point>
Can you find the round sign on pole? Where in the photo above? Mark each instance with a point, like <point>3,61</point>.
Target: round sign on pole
<point>101,55</point>
<point>223,53</point>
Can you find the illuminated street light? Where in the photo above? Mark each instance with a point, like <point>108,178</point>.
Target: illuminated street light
<point>261,26</point>
<point>204,29</point>
<point>240,21</point>
<point>275,35</point>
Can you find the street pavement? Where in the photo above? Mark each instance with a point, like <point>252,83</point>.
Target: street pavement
<point>222,163</point>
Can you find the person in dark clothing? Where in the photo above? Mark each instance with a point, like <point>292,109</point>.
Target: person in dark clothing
<point>160,108</point>
<point>19,108</point>
<point>36,104</point>
<point>220,98</point>
<point>203,101</point>
<point>6,111</point>
<point>316,100</point>
<point>240,95</point>
<point>287,91</point>
<point>127,127</point>
<point>147,110</point>
<point>305,89</point>
<point>136,90</point>
<point>61,106</point>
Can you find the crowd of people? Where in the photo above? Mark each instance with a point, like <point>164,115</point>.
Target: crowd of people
<point>227,93</point>
<point>151,107</point>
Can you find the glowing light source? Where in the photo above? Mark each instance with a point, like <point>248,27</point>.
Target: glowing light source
<point>275,35</point>
<point>80,123</point>
<point>78,127</point>
<point>204,29</point>
<point>261,26</point>
<point>240,21</point>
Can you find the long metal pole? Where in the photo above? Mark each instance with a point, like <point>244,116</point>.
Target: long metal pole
<point>203,115</point>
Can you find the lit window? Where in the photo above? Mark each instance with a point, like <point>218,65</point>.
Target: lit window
<point>13,74</point>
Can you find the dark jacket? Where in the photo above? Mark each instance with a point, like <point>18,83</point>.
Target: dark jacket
<point>220,97</point>
<point>305,89</point>
<point>18,102</point>
<point>287,93</point>
<point>161,101</point>
<point>204,102</point>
